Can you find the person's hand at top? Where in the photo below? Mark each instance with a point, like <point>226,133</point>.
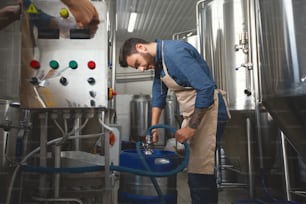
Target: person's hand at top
<point>9,14</point>
<point>84,13</point>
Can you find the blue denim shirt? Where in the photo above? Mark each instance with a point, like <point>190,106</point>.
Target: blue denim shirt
<point>187,67</point>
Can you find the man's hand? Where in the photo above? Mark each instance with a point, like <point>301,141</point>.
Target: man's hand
<point>184,134</point>
<point>154,136</point>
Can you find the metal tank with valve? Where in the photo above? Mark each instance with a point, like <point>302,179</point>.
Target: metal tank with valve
<point>140,116</point>
<point>255,50</point>
<point>222,28</point>
<point>225,41</point>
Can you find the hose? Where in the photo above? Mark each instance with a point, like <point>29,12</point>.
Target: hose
<point>148,172</point>
<point>14,175</point>
<point>179,168</point>
<point>153,179</point>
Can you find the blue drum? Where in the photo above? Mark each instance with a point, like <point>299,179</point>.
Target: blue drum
<point>135,189</point>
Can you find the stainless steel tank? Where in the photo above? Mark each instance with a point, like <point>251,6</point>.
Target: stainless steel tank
<point>171,114</point>
<point>282,49</point>
<point>140,112</point>
<point>223,40</point>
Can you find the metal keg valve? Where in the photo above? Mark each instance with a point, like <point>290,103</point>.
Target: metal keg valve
<point>148,146</point>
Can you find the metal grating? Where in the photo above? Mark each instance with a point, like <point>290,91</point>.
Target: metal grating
<point>156,18</point>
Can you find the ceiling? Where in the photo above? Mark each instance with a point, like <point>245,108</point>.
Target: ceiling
<point>156,18</point>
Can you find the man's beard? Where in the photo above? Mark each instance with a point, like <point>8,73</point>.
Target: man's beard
<point>149,59</point>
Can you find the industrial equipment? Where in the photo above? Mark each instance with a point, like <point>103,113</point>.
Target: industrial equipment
<point>255,50</point>
<point>60,131</point>
<point>148,175</point>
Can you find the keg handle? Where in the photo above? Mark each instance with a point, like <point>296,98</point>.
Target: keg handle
<point>148,144</point>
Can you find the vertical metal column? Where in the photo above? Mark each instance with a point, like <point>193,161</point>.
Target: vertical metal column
<point>107,196</point>
<point>57,164</point>
<point>77,123</point>
<point>250,158</point>
<point>43,151</point>
<point>286,170</point>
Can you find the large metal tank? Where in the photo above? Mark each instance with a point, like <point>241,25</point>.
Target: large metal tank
<point>171,114</point>
<point>264,41</point>
<point>282,49</point>
<point>223,40</point>
<point>140,112</point>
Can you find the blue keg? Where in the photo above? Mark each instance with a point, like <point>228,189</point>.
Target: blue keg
<point>135,189</point>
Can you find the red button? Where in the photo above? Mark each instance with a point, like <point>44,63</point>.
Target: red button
<point>91,65</point>
<point>35,64</point>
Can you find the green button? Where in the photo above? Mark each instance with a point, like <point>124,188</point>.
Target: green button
<point>53,64</point>
<point>73,64</point>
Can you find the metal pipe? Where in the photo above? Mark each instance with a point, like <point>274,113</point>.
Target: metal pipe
<point>77,122</point>
<point>146,73</point>
<point>253,59</point>
<point>199,29</point>
<point>111,54</point>
<point>43,151</point>
<point>57,164</point>
<point>253,49</point>
<point>136,79</point>
<point>250,158</point>
<point>11,185</point>
<point>199,23</point>
<point>58,200</point>
<point>286,169</point>
<point>176,36</point>
<point>108,185</point>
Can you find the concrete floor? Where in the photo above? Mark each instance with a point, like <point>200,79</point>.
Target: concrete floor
<point>225,196</point>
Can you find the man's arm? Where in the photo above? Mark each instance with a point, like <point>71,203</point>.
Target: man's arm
<point>156,112</point>
<point>8,15</point>
<point>83,11</point>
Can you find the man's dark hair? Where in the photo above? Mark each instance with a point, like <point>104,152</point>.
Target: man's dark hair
<point>128,48</point>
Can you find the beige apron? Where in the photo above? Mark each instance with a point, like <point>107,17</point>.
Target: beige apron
<point>203,143</point>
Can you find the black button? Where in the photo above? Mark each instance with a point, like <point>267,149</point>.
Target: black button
<point>63,81</point>
<point>91,80</point>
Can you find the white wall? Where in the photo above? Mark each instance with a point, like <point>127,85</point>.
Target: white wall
<point>125,92</point>
<point>136,87</point>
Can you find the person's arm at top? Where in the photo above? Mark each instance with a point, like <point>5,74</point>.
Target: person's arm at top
<point>9,14</point>
<point>83,11</point>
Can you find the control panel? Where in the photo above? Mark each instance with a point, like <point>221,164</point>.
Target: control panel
<point>63,65</point>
